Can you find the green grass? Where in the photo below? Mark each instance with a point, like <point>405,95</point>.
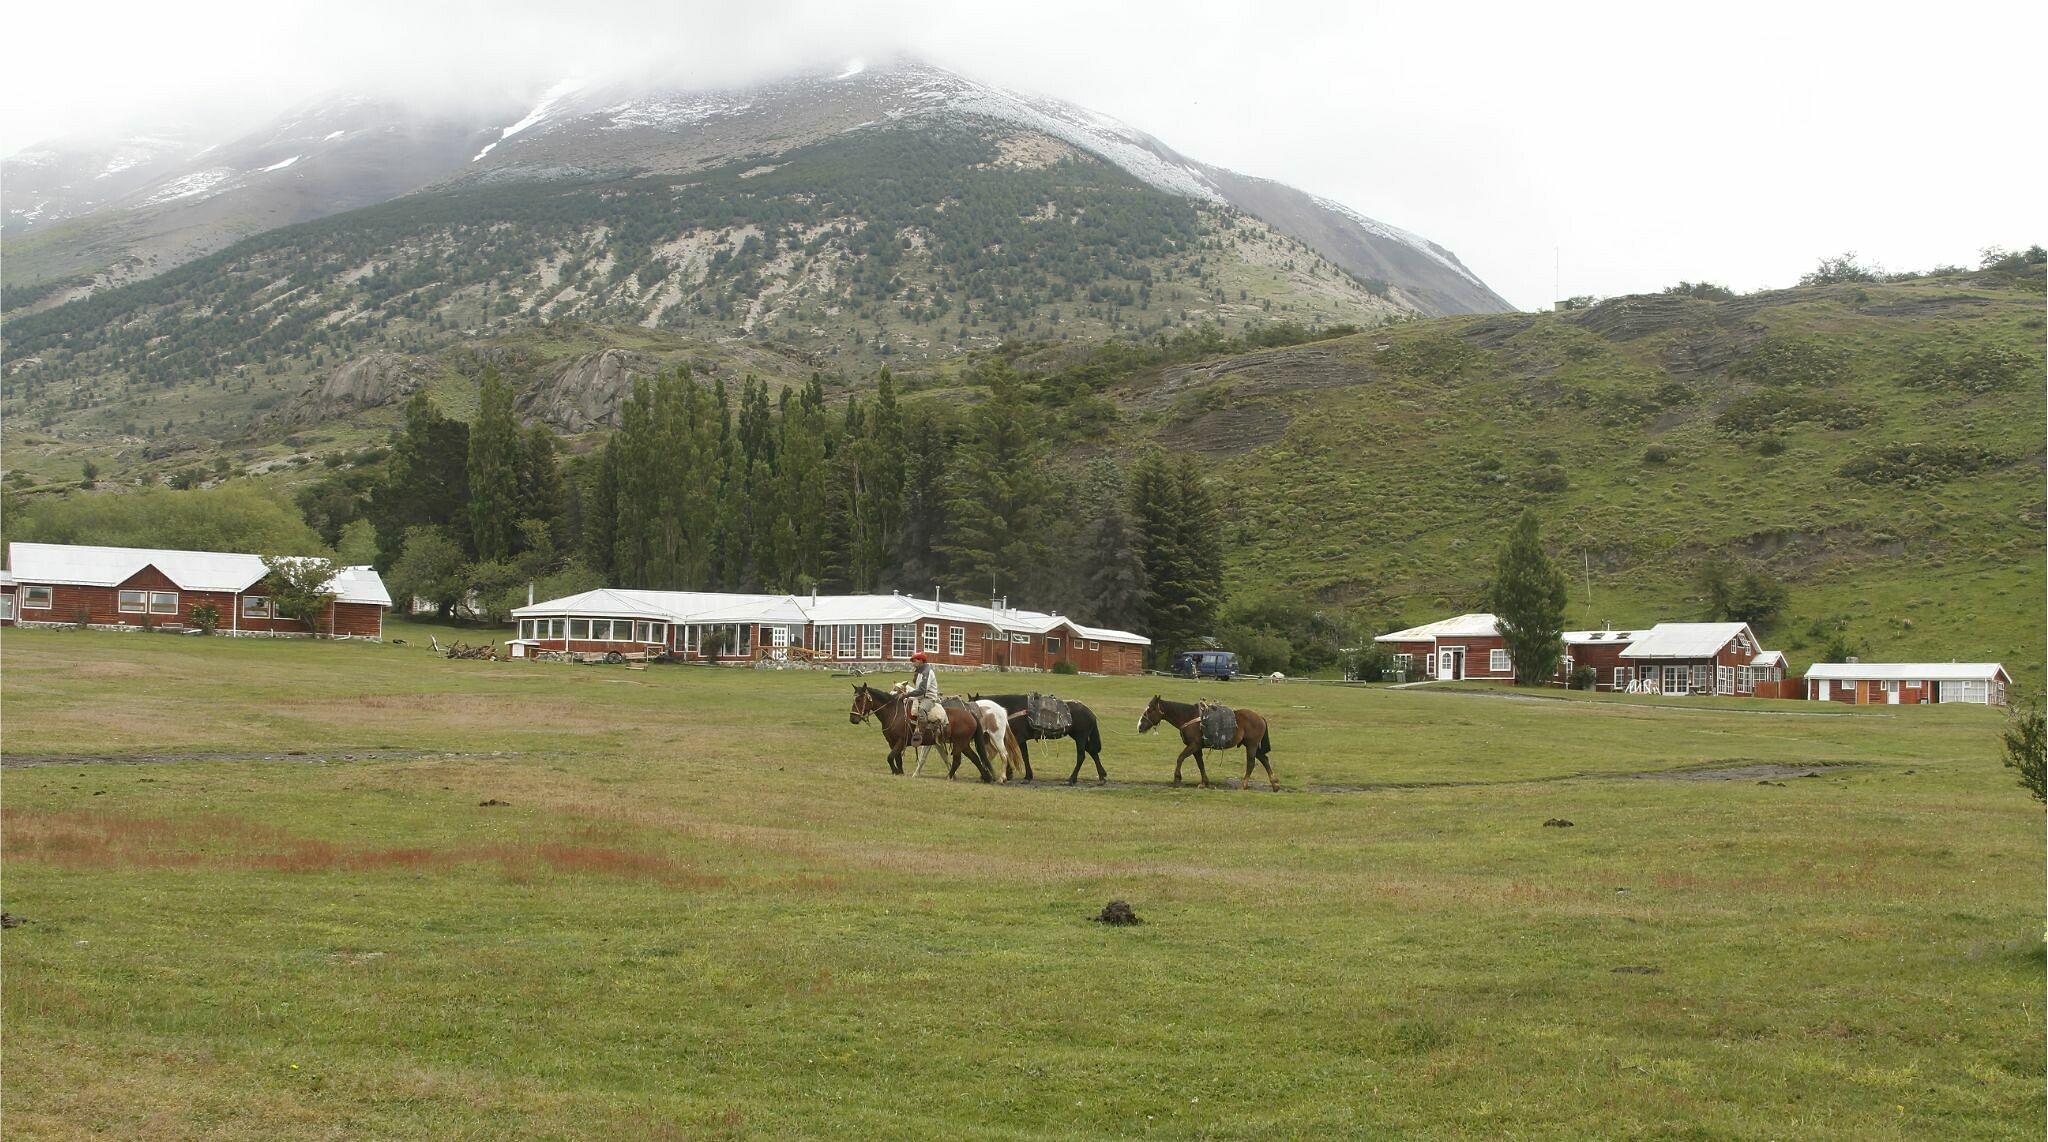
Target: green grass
<point>708,911</point>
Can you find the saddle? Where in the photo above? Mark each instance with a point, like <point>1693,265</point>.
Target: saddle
<point>1219,725</point>
<point>1046,716</point>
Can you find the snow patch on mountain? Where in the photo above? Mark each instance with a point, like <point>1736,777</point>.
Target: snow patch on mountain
<point>191,185</point>
<point>852,69</point>
<point>668,114</point>
<point>1396,234</point>
<point>548,100</point>
<point>280,166</point>
<point>333,135</point>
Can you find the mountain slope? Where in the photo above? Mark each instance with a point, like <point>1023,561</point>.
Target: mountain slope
<point>179,205</point>
<point>1876,448</point>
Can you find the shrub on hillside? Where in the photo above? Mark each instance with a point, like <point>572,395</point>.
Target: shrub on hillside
<point>1916,464</point>
<point>1980,369</point>
<point>1840,269</point>
<point>1774,408</point>
<point>1708,291</point>
<point>1585,678</point>
<point>1372,663</point>
<point>1548,478</point>
<point>1656,454</point>
<point>1770,445</point>
<point>1788,361</point>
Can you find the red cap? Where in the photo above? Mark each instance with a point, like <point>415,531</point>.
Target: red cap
<point>918,657</point>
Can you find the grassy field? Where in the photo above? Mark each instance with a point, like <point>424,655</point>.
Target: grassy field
<point>706,910</point>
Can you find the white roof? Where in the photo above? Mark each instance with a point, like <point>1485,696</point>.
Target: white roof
<point>6,577</point>
<point>1768,658</point>
<point>1464,626</point>
<point>224,571</point>
<point>1592,637</point>
<point>1685,640</point>
<point>718,607</point>
<point>1908,671</point>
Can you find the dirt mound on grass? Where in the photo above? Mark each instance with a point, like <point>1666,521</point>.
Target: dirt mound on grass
<point>1117,912</point>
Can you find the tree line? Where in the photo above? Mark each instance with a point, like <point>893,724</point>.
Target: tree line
<point>712,487</point>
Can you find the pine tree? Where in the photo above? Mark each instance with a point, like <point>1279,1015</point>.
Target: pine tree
<point>999,492</point>
<point>494,455</point>
<point>426,479</point>
<point>1111,590</point>
<point>1179,527</point>
<point>542,493</point>
<point>1528,600</point>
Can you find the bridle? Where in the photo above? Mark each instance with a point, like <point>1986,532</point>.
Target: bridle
<point>866,705</point>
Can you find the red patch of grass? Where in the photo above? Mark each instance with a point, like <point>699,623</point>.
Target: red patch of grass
<point>101,840</point>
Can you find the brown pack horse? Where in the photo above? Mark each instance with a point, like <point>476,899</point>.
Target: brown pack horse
<point>1252,734</point>
<point>963,731</point>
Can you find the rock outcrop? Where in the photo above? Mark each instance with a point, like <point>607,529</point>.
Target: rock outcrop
<point>366,382</point>
<point>586,391</point>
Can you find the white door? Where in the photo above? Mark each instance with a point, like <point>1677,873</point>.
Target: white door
<point>1445,667</point>
<point>778,642</point>
<point>1891,693</point>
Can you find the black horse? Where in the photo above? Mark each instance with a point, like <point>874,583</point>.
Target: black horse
<point>1085,731</point>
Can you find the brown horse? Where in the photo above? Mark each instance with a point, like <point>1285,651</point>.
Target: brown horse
<point>963,731</point>
<point>1252,734</point>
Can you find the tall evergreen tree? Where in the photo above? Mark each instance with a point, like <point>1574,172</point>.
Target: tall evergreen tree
<point>917,559</point>
<point>543,495</point>
<point>1528,601</point>
<point>494,462</point>
<point>1111,568</point>
<point>426,478</point>
<point>1179,526</point>
<point>999,492</point>
<point>802,517</point>
<point>871,484</point>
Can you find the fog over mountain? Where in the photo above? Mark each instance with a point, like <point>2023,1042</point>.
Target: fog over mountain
<point>1616,151</point>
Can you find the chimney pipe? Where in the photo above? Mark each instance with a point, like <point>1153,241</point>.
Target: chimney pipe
<point>529,593</point>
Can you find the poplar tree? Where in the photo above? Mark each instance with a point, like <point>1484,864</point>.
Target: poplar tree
<point>1179,528</point>
<point>1111,586</point>
<point>999,491</point>
<point>494,454</point>
<point>1528,602</point>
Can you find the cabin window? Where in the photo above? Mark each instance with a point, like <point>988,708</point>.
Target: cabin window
<point>1701,679</point>
<point>931,638</point>
<point>871,640</point>
<point>134,602</point>
<point>956,640</point>
<point>579,629</point>
<point>1498,662</point>
<point>902,640</point>
<point>36,599</point>
<point>1052,645</point>
<point>255,607</point>
<point>1093,645</point>
<point>1624,677</point>
<point>1724,680</point>
<point>163,602</point>
<point>1745,680</point>
<point>1025,639</point>
<point>6,606</point>
<point>1403,662</point>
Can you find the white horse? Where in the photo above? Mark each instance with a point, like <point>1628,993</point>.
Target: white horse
<point>995,722</point>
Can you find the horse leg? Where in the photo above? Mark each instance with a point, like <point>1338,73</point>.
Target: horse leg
<point>1080,755</point>
<point>1269,773</point>
<point>1101,774</point>
<point>921,751</point>
<point>1024,748</point>
<point>1246,783</point>
<point>1178,762</point>
<point>1201,768</point>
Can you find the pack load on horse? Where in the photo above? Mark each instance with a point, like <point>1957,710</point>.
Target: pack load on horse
<point>1245,728</point>
<point>1219,725</point>
<point>1038,717</point>
<point>962,733</point>
<point>1046,716</point>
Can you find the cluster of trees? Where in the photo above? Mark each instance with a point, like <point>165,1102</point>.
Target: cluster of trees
<point>707,488</point>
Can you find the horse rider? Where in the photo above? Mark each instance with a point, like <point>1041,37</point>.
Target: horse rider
<point>924,695</point>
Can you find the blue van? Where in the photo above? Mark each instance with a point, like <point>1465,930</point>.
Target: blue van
<point>1220,664</point>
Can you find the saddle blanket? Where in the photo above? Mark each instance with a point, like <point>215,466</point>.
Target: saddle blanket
<point>1046,716</point>
<point>1219,725</point>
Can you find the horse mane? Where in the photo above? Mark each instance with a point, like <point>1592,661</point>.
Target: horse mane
<point>1177,709</point>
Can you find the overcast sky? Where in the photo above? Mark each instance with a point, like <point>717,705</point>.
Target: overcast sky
<point>1604,148</point>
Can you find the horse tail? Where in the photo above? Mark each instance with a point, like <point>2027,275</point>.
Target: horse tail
<point>1265,741</point>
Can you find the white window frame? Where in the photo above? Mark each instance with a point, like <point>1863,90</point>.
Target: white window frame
<point>931,638</point>
<point>261,610</point>
<point>156,602</point>
<point>1052,644</point>
<point>1702,678</point>
<point>573,624</point>
<point>29,595</point>
<point>6,606</point>
<point>956,640</point>
<point>1745,680</point>
<point>1093,645</point>
<point>871,640</point>
<point>1498,661</point>
<point>1402,663</point>
<point>902,641</point>
<point>131,601</point>
<point>1021,639</point>
<point>1624,677</point>
<point>1724,679</point>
